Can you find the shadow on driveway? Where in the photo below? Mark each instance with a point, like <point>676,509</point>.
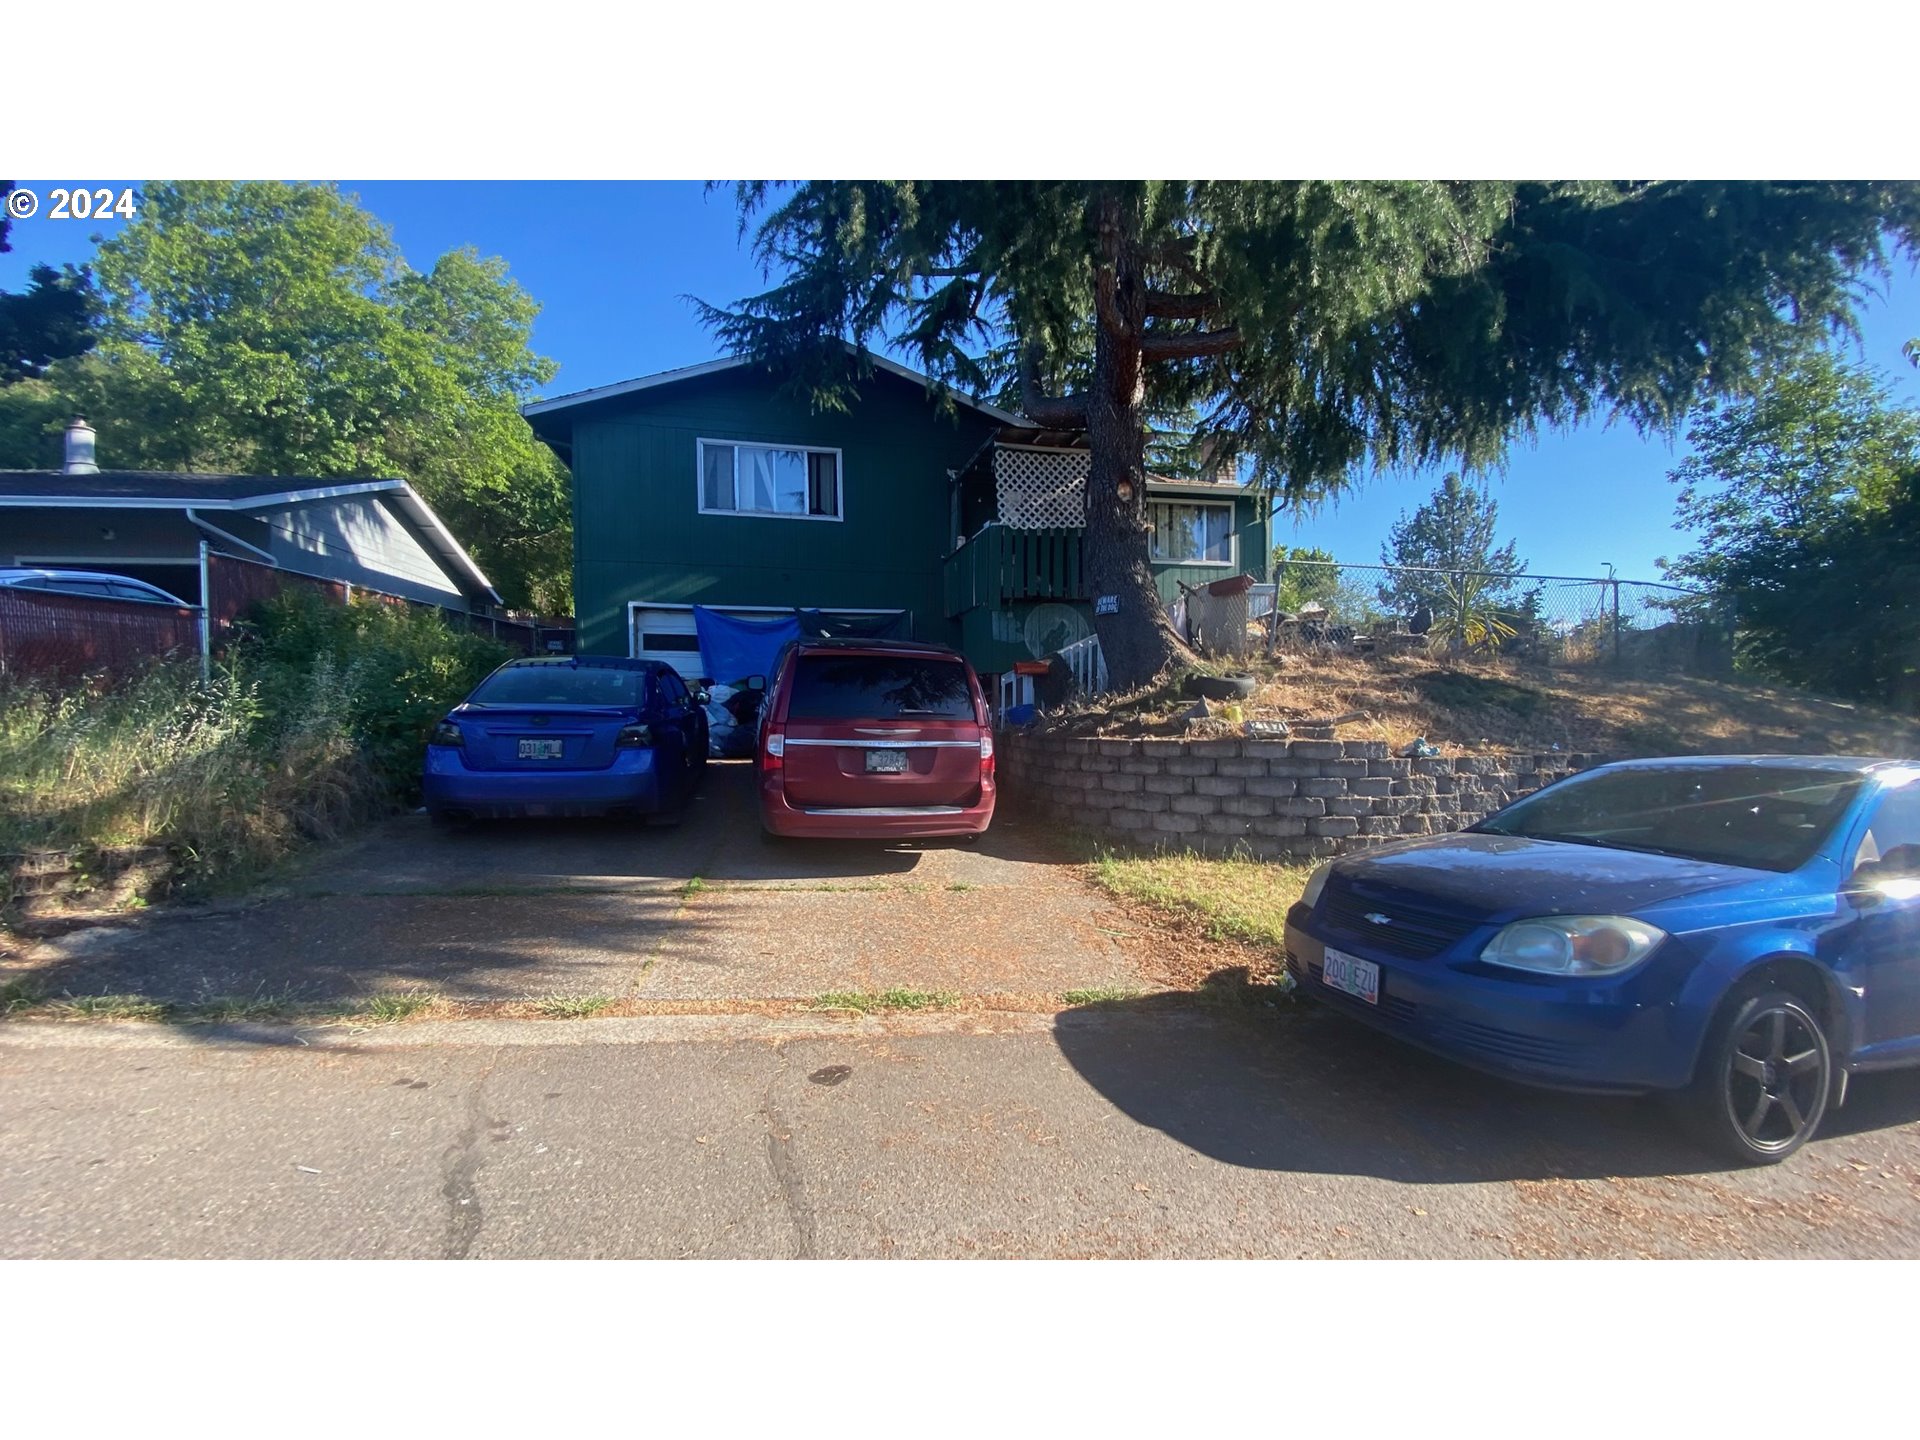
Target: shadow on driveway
<point>1301,1089</point>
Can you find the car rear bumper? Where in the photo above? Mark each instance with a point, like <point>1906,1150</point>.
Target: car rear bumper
<point>904,822</point>
<point>1621,1036</point>
<point>630,784</point>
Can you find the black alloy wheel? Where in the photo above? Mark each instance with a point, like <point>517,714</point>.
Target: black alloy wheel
<point>1765,1078</point>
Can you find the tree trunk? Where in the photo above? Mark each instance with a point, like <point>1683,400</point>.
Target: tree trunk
<point>1138,640</point>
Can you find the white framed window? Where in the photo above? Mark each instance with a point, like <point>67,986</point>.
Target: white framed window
<point>793,482</point>
<point>1196,532</point>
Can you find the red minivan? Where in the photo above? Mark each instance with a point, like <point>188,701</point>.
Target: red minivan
<point>874,740</point>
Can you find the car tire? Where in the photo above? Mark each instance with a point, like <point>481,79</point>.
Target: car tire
<point>1765,1078</point>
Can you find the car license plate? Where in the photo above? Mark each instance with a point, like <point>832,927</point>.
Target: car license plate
<point>542,749</point>
<point>1349,973</point>
<point>886,762</point>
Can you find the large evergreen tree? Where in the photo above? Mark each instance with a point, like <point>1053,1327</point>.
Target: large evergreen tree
<point>52,319</point>
<point>1316,327</point>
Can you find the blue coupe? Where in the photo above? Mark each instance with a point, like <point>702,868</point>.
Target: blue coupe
<point>584,735</point>
<point>1741,933</point>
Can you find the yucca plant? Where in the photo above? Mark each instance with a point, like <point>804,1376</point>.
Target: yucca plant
<point>1468,617</point>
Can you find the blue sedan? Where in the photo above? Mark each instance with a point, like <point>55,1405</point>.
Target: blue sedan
<point>584,735</point>
<point>1741,934</point>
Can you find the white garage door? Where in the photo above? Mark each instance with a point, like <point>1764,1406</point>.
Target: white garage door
<point>666,632</point>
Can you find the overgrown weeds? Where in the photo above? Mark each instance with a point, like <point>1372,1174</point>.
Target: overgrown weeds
<point>399,1005</point>
<point>572,1007</point>
<point>867,1002</point>
<point>314,722</point>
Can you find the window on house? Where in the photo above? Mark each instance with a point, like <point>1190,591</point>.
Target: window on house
<point>769,480</point>
<point>1199,534</point>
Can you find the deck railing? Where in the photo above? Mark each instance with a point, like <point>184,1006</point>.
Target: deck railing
<point>1000,564</point>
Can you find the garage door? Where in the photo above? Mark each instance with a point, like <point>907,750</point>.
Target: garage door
<point>665,633</point>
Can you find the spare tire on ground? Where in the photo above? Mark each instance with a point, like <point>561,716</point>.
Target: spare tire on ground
<point>1219,687</point>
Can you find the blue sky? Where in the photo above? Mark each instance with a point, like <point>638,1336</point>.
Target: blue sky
<point>611,262</point>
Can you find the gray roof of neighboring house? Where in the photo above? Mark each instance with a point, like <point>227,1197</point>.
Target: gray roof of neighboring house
<point>165,490</point>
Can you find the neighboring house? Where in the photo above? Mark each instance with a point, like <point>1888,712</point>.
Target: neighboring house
<point>375,534</point>
<point>705,486</point>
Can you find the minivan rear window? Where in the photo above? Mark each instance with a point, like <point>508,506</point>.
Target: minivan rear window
<point>879,687</point>
<point>561,685</point>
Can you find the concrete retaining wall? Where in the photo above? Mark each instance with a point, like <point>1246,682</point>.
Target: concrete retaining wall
<point>1274,799</point>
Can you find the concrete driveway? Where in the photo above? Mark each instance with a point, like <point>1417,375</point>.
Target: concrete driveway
<point>708,911</point>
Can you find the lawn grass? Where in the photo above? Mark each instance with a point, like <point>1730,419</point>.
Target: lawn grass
<point>868,1002</point>
<point>1237,899</point>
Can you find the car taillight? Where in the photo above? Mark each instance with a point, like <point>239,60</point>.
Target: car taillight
<point>634,737</point>
<point>446,733</point>
<point>986,754</point>
<point>773,751</point>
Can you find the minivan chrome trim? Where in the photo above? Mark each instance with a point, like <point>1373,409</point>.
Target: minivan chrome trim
<point>889,810</point>
<point>889,744</point>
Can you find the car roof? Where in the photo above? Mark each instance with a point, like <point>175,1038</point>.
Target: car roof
<point>1839,764</point>
<point>870,646</point>
<point>587,662</point>
<point>10,573</point>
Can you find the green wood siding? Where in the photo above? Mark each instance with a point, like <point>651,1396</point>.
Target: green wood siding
<point>639,534</point>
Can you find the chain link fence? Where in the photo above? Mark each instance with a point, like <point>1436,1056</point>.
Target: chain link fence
<point>1640,626</point>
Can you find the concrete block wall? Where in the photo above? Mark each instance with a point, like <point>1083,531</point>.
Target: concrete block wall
<point>1290,800</point>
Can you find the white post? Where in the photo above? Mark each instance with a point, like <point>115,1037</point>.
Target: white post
<point>206,619</point>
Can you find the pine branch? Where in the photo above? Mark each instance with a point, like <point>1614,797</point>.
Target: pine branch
<point>1067,412</point>
<point>1190,345</point>
<point>1166,305</point>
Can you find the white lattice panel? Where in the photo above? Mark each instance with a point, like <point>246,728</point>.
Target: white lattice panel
<point>1041,489</point>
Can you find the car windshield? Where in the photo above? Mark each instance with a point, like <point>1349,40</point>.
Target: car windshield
<point>879,687</point>
<point>561,685</point>
<point>1768,817</point>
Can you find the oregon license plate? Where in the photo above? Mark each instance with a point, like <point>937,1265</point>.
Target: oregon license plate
<point>542,749</point>
<point>886,762</point>
<point>1349,973</point>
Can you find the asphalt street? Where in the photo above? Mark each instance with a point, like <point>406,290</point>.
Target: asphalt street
<point>1152,1128</point>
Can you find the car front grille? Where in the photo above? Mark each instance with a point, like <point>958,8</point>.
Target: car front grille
<point>1410,932</point>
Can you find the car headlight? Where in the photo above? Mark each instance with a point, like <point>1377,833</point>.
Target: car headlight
<point>1574,944</point>
<point>1316,882</point>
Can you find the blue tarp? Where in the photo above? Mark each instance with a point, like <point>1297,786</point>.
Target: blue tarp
<point>732,649</point>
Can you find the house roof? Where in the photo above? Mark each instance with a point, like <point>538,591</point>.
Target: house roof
<point>734,362</point>
<point>165,490</point>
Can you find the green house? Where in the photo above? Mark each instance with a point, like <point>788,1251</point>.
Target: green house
<point>705,486</point>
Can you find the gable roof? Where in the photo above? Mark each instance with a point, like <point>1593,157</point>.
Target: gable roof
<point>239,494</point>
<point>736,362</point>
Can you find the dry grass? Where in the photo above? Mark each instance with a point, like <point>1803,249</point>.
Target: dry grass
<point>1471,704</point>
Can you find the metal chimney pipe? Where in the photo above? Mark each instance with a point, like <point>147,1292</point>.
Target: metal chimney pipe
<point>80,459</point>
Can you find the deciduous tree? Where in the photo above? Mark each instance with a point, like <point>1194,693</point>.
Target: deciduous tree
<point>275,329</point>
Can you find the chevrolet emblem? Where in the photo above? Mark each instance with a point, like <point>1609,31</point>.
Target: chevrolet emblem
<point>1374,917</point>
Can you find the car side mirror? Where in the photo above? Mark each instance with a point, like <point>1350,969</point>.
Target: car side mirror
<point>703,696</point>
<point>755,682</point>
<point>1874,884</point>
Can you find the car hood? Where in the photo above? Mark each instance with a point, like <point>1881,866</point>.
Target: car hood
<point>1504,877</point>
